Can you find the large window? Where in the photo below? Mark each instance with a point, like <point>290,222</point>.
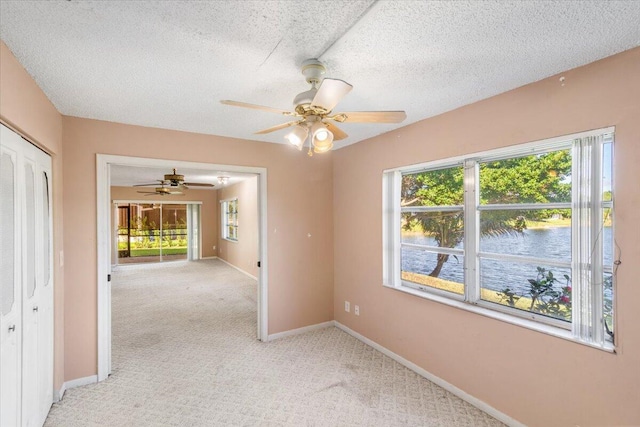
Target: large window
<point>230,219</point>
<point>524,231</point>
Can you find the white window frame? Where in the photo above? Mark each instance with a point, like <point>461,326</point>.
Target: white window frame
<point>225,215</point>
<point>587,298</point>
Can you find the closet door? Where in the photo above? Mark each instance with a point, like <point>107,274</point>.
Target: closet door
<point>45,307</point>
<point>26,285</point>
<point>10,291</point>
<point>37,295</point>
<point>30,297</point>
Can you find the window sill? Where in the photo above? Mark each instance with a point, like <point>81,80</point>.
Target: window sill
<point>504,317</point>
<point>230,240</point>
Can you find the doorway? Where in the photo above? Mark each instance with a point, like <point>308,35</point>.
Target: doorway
<point>106,242</point>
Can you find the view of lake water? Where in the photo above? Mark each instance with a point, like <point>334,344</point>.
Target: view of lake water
<point>552,243</point>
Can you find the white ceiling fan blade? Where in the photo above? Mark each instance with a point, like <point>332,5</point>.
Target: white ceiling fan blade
<point>338,134</point>
<point>277,127</point>
<point>257,107</point>
<point>197,184</point>
<point>330,92</point>
<point>370,117</point>
<point>153,184</point>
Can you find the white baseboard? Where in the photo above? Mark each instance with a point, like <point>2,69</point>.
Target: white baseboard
<point>58,394</point>
<point>208,257</point>
<point>301,330</point>
<point>79,382</point>
<point>238,268</point>
<point>434,379</point>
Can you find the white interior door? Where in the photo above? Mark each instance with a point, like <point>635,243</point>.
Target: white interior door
<point>45,307</point>
<point>26,303</point>
<point>30,298</point>
<point>10,291</point>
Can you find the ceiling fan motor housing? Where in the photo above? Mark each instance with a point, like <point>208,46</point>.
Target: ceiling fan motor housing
<point>312,69</point>
<point>174,178</point>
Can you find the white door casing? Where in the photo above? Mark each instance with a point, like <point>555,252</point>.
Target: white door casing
<point>103,162</point>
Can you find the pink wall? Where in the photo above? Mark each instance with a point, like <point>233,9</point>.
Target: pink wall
<point>208,212</point>
<point>26,109</point>
<point>534,378</point>
<point>243,253</point>
<point>299,202</point>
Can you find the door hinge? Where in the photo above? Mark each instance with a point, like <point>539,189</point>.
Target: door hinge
<point>108,277</point>
<point>258,263</point>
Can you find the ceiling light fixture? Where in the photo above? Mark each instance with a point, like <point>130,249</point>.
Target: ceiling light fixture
<point>298,136</point>
<point>316,132</point>
<point>222,180</point>
<point>322,138</point>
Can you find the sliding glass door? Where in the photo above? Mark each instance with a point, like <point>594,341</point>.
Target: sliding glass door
<point>152,232</point>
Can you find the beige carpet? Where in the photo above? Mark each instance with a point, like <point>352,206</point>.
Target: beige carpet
<point>185,354</point>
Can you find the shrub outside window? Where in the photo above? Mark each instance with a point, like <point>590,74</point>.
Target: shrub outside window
<point>525,231</point>
<point>230,219</point>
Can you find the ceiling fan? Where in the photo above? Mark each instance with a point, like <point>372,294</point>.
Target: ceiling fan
<point>313,111</point>
<point>175,180</point>
<point>163,190</point>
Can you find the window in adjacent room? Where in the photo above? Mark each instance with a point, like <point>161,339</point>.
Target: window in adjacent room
<point>230,219</point>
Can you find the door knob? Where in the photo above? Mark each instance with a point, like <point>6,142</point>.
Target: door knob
<point>12,328</point>
<point>35,308</point>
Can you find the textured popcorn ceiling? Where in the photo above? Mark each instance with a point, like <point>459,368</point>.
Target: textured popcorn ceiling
<point>167,64</point>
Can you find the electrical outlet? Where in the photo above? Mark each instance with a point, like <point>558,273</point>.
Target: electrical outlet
<point>214,247</point>
<point>356,310</point>
<point>347,306</point>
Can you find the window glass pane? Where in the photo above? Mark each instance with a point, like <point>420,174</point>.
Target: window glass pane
<point>541,178</point>
<point>444,229</point>
<point>608,304</point>
<point>441,187</point>
<point>607,173</point>
<point>607,237</point>
<point>435,270</point>
<point>534,288</point>
<point>542,233</point>
<point>7,231</point>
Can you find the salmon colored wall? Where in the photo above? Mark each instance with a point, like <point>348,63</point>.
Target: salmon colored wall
<point>208,210</point>
<point>26,109</point>
<point>243,253</point>
<point>532,377</point>
<point>299,202</point>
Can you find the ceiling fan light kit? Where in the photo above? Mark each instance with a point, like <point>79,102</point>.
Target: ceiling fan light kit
<point>162,191</point>
<point>298,136</point>
<point>313,109</point>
